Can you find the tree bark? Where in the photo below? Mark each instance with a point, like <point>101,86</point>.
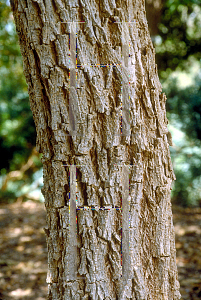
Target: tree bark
<point>102,129</point>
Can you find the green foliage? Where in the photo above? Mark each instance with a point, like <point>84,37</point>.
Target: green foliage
<point>179,34</point>
<point>178,47</point>
<point>186,157</point>
<point>9,47</point>
<point>27,186</point>
<point>178,55</point>
<point>185,100</point>
<point>187,104</point>
<point>17,130</point>
<point>184,113</point>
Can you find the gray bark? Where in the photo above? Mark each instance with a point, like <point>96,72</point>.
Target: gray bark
<point>106,125</point>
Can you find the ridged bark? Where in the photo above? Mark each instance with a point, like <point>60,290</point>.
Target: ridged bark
<point>116,78</point>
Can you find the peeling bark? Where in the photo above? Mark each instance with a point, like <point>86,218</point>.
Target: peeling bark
<point>102,110</point>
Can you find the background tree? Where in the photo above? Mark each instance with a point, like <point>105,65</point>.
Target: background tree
<point>176,38</point>
<point>17,130</point>
<point>175,30</point>
<point>17,144</point>
<point>101,148</point>
<point>185,118</point>
<point>178,49</point>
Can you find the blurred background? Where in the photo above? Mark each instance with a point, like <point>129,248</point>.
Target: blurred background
<point>175,28</point>
<point>20,166</point>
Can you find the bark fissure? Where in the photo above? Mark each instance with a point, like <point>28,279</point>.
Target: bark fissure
<point>117,89</point>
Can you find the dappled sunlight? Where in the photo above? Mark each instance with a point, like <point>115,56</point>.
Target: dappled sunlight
<point>188,230</point>
<point>20,293</point>
<point>177,38</point>
<point>23,260</point>
<point>187,222</point>
<point>14,232</point>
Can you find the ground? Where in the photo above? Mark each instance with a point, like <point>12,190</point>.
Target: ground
<point>187,223</point>
<point>23,259</point>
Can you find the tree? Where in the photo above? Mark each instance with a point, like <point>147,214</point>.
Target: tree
<point>176,35</point>
<point>184,114</point>
<point>102,129</point>
<point>16,120</point>
<point>154,14</point>
<point>177,43</point>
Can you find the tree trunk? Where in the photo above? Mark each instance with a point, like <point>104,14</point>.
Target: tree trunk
<point>153,13</point>
<point>102,129</point>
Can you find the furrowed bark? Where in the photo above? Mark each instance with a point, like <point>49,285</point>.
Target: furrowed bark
<point>113,78</point>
